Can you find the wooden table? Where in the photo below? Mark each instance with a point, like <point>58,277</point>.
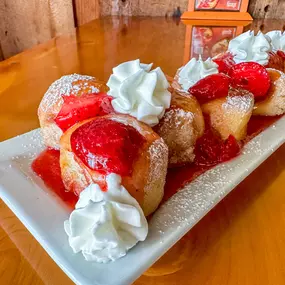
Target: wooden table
<point>241,241</point>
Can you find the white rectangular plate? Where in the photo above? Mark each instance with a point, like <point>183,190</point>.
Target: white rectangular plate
<point>43,214</point>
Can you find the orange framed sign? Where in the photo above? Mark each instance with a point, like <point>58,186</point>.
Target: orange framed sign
<point>218,10</point>
<point>217,5</point>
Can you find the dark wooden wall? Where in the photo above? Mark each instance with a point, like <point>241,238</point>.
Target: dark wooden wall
<point>25,23</point>
<point>85,11</point>
<point>268,9</point>
<point>141,7</point>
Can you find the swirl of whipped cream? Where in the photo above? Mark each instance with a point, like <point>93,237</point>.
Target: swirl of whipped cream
<point>105,225</point>
<point>195,70</point>
<point>139,91</point>
<point>248,47</point>
<point>277,40</point>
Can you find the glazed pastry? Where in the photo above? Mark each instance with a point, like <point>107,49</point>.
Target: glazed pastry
<point>115,144</point>
<point>230,115</point>
<point>72,86</point>
<point>180,127</point>
<point>274,103</point>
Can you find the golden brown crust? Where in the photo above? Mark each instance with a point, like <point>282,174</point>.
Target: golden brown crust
<point>146,184</point>
<point>52,101</point>
<point>181,126</point>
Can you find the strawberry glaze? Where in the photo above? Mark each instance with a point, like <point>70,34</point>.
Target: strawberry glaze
<point>47,167</point>
<point>211,87</point>
<point>76,109</point>
<point>252,77</point>
<point>107,146</point>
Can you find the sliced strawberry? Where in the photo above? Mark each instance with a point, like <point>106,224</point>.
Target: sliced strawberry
<point>211,87</point>
<point>229,149</point>
<point>211,149</point>
<point>225,62</point>
<point>76,109</point>
<point>250,76</point>
<point>207,149</point>
<point>281,54</point>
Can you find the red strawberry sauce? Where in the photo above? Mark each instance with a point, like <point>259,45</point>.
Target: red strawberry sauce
<point>107,146</point>
<point>46,165</point>
<point>76,109</point>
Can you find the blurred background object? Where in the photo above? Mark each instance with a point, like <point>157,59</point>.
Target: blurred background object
<point>25,24</point>
<point>267,9</point>
<point>141,7</point>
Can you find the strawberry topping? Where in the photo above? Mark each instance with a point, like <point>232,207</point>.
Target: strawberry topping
<point>281,54</point>
<point>47,166</point>
<point>250,76</point>
<point>76,109</point>
<point>210,149</point>
<point>225,62</point>
<point>211,87</point>
<point>107,146</point>
<point>276,60</point>
<point>229,149</point>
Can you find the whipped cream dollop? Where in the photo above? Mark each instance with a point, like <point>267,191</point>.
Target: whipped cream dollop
<point>139,91</point>
<point>277,39</point>
<point>105,225</point>
<point>195,70</point>
<point>248,47</point>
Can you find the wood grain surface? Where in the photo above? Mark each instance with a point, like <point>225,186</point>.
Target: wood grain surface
<point>85,11</point>
<point>141,7</point>
<point>1,53</point>
<point>240,242</point>
<point>24,24</point>
<point>268,9</point>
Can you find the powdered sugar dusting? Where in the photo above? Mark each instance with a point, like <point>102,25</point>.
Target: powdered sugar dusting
<point>154,190</point>
<point>158,153</point>
<point>157,149</point>
<point>77,87</point>
<point>177,117</point>
<point>63,86</point>
<point>240,100</point>
<point>178,132</point>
